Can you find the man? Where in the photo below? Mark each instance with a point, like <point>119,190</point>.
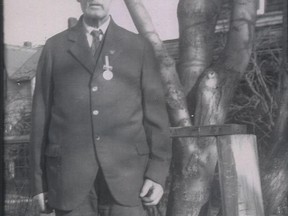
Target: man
<point>99,138</point>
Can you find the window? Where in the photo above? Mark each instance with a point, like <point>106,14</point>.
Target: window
<point>261,7</point>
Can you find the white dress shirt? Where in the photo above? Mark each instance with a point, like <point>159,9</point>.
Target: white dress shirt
<point>89,29</point>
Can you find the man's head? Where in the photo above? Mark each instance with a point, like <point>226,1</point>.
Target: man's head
<point>97,10</point>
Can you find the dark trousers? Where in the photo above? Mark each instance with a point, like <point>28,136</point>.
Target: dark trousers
<point>100,202</point>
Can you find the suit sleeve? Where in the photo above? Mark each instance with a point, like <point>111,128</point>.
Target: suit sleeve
<point>40,120</point>
<point>156,121</point>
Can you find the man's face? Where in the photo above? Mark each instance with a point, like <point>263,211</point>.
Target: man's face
<point>95,9</point>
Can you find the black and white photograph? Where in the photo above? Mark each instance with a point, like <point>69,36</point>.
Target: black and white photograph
<point>145,108</point>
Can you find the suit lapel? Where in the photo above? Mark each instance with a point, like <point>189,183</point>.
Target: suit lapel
<point>112,46</point>
<point>80,49</point>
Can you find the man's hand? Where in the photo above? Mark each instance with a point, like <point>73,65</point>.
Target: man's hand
<point>151,193</point>
<point>41,200</point>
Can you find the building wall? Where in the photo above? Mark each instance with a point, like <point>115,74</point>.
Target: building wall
<point>274,5</point>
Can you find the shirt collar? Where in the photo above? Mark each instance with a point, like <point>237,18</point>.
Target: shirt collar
<point>103,27</point>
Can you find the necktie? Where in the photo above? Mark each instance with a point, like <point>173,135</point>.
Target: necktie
<point>96,40</point>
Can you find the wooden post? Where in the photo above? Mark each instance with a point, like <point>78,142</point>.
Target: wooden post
<point>239,175</point>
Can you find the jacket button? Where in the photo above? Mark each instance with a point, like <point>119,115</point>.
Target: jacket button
<point>95,112</point>
<point>95,88</point>
<point>97,138</point>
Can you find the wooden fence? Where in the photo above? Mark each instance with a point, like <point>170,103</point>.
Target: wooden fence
<point>17,190</point>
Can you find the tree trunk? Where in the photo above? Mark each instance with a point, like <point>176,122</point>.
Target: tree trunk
<point>194,166</point>
<point>214,93</point>
<point>197,20</point>
<point>275,169</point>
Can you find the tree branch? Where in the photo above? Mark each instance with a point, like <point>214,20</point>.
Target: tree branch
<point>197,20</point>
<point>175,97</point>
<point>241,34</point>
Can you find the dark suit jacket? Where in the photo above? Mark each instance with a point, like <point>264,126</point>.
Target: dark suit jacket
<point>129,137</point>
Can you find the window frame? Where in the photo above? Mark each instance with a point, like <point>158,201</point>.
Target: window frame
<point>261,7</point>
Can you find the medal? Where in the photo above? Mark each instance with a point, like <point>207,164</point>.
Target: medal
<point>107,74</point>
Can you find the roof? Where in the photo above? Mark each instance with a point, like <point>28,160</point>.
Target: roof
<point>21,62</point>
